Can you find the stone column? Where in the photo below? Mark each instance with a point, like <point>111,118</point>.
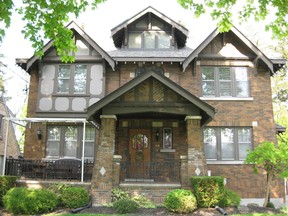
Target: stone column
<point>102,179</point>
<point>196,162</point>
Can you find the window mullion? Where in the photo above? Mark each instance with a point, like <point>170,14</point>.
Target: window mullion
<point>233,82</point>
<point>217,82</point>
<point>218,143</point>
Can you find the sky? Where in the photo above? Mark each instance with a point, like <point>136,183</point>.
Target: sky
<point>98,24</point>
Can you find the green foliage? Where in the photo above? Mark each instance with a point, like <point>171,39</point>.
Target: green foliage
<point>229,199</point>
<point>208,190</point>
<point>270,205</point>
<point>222,12</point>
<point>118,194</point>
<point>124,206</point>
<point>180,201</point>
<point>6,8</point>
<point>74,197</point>
<point>6,182</point>
<point>29,201</point>
<point>143,202</point>
<point>272,158</point>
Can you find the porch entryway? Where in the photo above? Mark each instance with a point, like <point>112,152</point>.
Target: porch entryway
<point>150,133</point>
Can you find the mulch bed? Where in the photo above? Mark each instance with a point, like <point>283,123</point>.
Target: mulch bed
<point>161,211</point>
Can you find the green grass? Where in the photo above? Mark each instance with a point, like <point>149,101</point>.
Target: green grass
<point>258,214</point>
<point>52,214</point>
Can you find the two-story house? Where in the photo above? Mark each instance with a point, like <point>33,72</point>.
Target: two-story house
<point>157,111</point>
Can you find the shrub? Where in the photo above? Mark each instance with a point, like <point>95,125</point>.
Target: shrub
<point>270,205</point>
<point>208,190</point>
<point>118,194</point>
<point>6,182</point>
<point>180,201</point>
<point>229,199</point>
<point>125,206</point>
<point>29,201</point>
<point>143,202</point>
<point>74,197</point>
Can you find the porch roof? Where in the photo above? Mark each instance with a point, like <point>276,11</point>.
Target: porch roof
<point>206,111</point>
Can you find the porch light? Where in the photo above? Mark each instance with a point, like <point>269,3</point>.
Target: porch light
<point>157,135</point>
<point>39,134</point>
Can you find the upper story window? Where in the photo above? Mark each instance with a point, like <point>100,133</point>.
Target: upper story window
<point>72,79</point>
<point>149,33</point>
<point>225,82</point>
<point>225,144</point>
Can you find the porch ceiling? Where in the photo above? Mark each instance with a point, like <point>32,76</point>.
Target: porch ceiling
<point>148,94</point>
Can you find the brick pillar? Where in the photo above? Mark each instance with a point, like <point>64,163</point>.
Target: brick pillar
<point>102,179</point>
<point>195,152</point>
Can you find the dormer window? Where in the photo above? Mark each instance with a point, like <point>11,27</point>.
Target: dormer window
<point>149,33</point>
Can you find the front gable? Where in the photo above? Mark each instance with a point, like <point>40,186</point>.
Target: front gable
<point>149,29</point>
<point>231,45</point>
<point>150,92</point>
<point>88,49</point>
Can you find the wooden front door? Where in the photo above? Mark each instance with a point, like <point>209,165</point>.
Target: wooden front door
<point>139,150</point>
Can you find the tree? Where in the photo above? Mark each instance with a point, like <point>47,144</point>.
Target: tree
<point>271,158</point>
<point>222,10</point>
<point>46,19</point>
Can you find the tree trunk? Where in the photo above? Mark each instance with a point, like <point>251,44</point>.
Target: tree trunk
<point>269,181</point>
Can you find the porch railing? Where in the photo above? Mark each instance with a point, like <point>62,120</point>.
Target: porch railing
<point>62,169</point>
<point>150,171</point>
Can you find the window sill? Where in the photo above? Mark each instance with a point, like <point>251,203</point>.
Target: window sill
<point>227,98</point>
<point>224,162</point>
<point>167,150</point>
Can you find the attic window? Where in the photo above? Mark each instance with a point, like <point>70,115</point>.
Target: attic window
<point>149,40</point>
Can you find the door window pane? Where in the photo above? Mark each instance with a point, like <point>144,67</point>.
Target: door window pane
<point>80,78</point>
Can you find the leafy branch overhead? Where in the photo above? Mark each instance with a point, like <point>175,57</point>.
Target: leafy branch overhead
<point>46,19</point>
<point>222,10</point>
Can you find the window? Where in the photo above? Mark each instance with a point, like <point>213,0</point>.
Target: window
<point>66,141</point>
<point>225,82</point>
<point>227,144</point>
<point>149,40</point>
<point>72,79</point>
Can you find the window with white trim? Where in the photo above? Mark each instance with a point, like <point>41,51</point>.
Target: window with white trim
<point>225,81</point>
<point>227,143</point>
<point>72,79</point>
<point>66,141</point>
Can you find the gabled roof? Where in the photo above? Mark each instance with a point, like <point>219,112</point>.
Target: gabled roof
<point>118,31</point>
<point>259,55</point>
<point>205,108</point>
<point>73,26</point>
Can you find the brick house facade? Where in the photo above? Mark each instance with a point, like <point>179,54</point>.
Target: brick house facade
<point>155,101</point>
